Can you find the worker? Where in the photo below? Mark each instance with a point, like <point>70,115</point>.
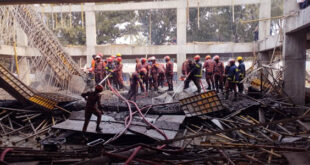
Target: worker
<point>232,77</point>
<point>93,98</point>
<point>93,61</point>
<point>110,70</point>
<point>209,67</point>
<point>241,74</point>
<point>146,66</point>
<point>134,83</point>
<point>186,68</point>
<point>218,73</point>
<point>119,73</point>
<point>169,73</point>
<point>99,69</point>
<point>195,74</point>
<point>138,64</point>
<point>144,78</point>
<point>161,75</point>
<point>113,57</point>
<point>154,73</point>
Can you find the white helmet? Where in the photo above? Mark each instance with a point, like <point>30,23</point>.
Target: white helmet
<point>97,57</point>
<point>152,58</point>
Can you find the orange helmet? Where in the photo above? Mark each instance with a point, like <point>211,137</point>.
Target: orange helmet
<point>99,88</point>
<point>167,58</point>
<point>143,60</point>
<point>112,57</point>
<point>216,57</point>
<point>208,57</point>
<point>143,70</point>
<point>197,57</point>
<point>109,59</point>
<point>119,59</point>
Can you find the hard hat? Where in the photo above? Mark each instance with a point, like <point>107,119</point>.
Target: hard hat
<point>208,57</point>
<point>99,54</point>
<point>118,55</point>
<point>197,57</point>
<point>99,88</point>
<point>97,57</point>
<point>239,58</point>
<point>216,57</point>
<point>232,61</point>
<point>143,60</point>
<point>109,59</point>
<point>112,57</point>
<point>143,70</point>
<point>167,58</point>
<point>152,58</point>
<point>119,59</point>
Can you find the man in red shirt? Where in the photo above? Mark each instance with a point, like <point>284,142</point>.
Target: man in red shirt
<point>169,73</point>
<point>209,66</point>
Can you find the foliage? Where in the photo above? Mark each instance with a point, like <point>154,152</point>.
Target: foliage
<point>216,24</point>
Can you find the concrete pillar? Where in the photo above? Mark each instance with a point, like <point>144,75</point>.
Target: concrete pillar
<point>264,26</point>
<point>181,34</point>
<point>294,48</point>
<point>91,35</point>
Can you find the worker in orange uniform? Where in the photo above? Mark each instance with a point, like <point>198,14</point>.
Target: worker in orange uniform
<point>161,75</point>
<point>138,64</point>
<point>218,73</point>
<point>99,70</point>
<point>209,67</point>
<point>195,74</point>
<point>147,67</point>
<point>169,73</point>
<point>109,68</point>
<point>118,72</point>
<point>186,68</point>
<point>144,77</point>
<point>93,98</point>
<point>134,85</point>
<point>154,73</point>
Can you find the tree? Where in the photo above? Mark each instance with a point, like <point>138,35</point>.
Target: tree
<point>163,25</point>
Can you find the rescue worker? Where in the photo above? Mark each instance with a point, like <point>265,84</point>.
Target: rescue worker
<point>161,75</point>
<point>154,73</point>
<point>186,68</point>
<point>241,74</point>
<point>93,98</point>
<point>110,70</point>
<point>144,78</point>
<point>232,77</point>
<point>138,64</point>
<point>146,66</point>
<point>209,67</point>
<point>169,73</point>
<point>118,55</point>
<point>195,74</point>
<point>118,72</point>
<point>99,70</point>
<point>134,83</point>
<point>218,73</point>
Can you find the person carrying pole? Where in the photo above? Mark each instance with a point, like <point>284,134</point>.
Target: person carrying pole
<point>195,74</point>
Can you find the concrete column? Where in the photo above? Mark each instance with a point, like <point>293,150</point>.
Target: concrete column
<point>91,35</point>
<point>264,26</point>
<point>181,34</point>
<point>294,58</point>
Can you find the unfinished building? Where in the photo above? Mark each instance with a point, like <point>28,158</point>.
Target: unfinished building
<point>47,49</point>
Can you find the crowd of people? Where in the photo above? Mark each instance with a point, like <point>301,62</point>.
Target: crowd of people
<point>149,74</point>
<point>217,76</point>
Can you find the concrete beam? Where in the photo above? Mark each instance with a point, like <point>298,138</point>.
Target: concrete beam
<point>146,5</point>
<point>299,21</point>
<point>270,43</point>
<point>16,2</point>
<point>190,48</point>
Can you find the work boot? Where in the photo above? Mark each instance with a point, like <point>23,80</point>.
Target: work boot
<point>98,129</point>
